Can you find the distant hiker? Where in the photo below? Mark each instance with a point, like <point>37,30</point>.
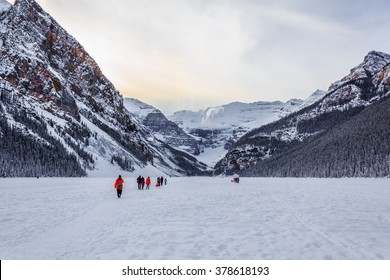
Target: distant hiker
<point>162,180</point>
<point>158,182</point>
<point>142,182</point>
<point>165,181</point>
<point>119,186</point>
<point>139,182</point>
<point>147,182</point>
<point>236,180</point>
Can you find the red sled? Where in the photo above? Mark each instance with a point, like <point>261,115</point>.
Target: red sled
<point>157,185</point>
<point>235,180</point>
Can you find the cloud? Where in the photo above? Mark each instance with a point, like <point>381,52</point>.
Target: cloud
<point>180,54</point>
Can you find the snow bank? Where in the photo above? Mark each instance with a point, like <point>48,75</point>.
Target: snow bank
<point>195,218</point>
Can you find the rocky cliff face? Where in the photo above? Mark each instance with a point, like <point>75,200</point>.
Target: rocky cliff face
<point>323,139</point>
<point>54,94</point>
<point>162,128</point>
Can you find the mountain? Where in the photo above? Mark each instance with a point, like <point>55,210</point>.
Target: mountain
<point>218,128</point>
<point>4,6</point>
<point>60,116</point>
<point>344,134</point>
<point>162,128</point>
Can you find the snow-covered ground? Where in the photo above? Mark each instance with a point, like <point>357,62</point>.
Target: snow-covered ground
<point>195,218</point>
<point>211,156</point>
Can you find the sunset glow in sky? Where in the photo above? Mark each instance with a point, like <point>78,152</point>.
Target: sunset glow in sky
<point>191,54</point>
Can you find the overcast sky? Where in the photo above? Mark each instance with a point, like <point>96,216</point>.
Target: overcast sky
<point>191,54</point>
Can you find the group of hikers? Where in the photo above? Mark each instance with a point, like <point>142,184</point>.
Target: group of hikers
<point>141,182</point>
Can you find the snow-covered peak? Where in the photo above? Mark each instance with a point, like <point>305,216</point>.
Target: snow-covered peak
<point>55,82</point>
<point>332,119</point>
<point>27,4</point>
<point>162,128</point>
<point>212,113</point>
<point>373,63</point>
<point>374,58</point>
<point>313,98</point>
<point>139,108</point>
<point>217,128</point>
<point>236,114</point>
<point>4,6</point>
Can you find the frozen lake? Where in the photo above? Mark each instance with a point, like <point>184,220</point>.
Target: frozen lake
<point>195,218</point>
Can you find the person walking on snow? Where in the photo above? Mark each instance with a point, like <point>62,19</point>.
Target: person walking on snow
<point>139,182</point>
<point>119,186</point>
<point>142,182</point>
<point>147,182</point>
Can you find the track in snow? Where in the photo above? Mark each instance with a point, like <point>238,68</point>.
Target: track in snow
<point>195,218</point>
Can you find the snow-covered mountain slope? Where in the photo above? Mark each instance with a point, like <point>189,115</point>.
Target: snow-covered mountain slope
<point>4,6</point>
<point>162,128</point>
<point>342,134</point>
<point>60,116</point>
<point>236,114</point>
<point>218,128</point>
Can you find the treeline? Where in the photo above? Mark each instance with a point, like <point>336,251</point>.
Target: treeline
<point>22,155</point>
<point>123,162</point>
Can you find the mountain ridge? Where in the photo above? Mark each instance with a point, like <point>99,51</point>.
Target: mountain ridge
<point>218,128</point>
<point>162,128</point>
<point>61,116</point>
<point>271,150</point>
<point>55,95</point>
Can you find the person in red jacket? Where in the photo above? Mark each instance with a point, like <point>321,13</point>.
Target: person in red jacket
<point>147,183</point>
<point>119,185</point>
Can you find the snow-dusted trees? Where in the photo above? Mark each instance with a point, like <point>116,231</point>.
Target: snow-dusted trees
<point>357,146</point>
<point>27,156</point>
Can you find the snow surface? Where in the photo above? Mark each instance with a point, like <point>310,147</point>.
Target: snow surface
<point>195,218</point>
<point>4,6</point>
<point>211,156</point>
<point>139,108</point>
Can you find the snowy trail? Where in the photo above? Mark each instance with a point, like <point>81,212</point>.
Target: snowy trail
<point>195,218</point>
